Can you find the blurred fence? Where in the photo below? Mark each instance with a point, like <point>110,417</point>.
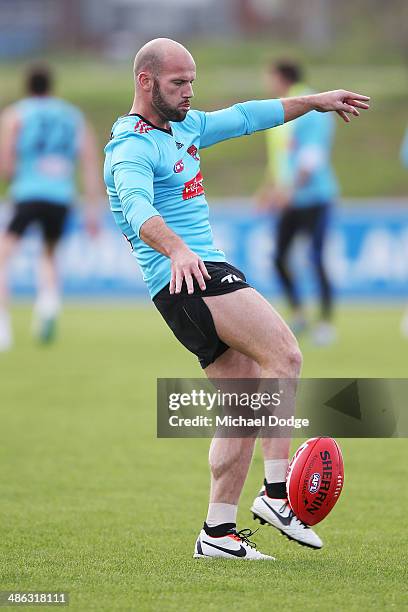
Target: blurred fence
<point>367,254</point>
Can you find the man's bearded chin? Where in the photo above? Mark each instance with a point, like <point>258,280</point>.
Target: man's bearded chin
<point>167,112</point>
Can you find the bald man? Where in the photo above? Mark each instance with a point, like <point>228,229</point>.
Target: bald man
<point>157,197</point>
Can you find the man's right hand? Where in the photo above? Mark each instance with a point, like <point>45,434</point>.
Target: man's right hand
<point>185,266</point>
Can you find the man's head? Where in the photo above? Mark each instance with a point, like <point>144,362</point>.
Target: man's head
<point>39,80</point>
<point>282,75</point>
<point>164,72</point>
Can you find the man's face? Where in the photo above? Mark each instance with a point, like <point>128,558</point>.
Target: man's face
<point>172,92</point>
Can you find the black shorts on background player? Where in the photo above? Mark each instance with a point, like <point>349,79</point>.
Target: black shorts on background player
<point>50,217</point>
<point>189,317</point>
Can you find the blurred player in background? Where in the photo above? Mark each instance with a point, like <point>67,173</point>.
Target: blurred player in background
<point>404,159</point>
<point>301,186</point>
<point>42,138</point>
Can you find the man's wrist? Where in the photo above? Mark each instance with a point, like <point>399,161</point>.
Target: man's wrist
<point>310,102</point>
<point>174,245</point>
<point>299,105</point>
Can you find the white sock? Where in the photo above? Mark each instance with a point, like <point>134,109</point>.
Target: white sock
<point>221,513</point>
<point>275,470</point>
<point>47,305</point>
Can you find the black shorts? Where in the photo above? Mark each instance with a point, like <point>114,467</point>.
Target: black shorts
<point>189,317</point>
<point>50,217</point>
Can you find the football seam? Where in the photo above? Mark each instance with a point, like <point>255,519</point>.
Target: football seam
<point>308,457</point>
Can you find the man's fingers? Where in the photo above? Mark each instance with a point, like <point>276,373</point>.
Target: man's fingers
<point>190,270</point>
<point>350,109</point>
<point>344,116</point>
<point>179,281</point>
<point>203,269</point>
<point>357,103</point>
<point>172,280</point>
<point>353,110</point>
<point>199,278</point>
<point>356,96</point>
<point>189,282</point>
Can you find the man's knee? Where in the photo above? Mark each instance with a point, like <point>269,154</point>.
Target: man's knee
<point>290,360</point>
<point>294,360</point>
<point>287,361</point>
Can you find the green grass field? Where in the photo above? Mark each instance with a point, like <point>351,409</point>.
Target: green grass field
<point>92,503</point>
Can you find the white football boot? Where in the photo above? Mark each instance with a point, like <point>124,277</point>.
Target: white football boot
<point>234,545</point>
<point>278,514</point>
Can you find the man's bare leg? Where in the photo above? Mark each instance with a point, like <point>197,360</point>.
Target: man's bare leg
<point>229,461</point>
<point>246,322</point>
<point>8,243</point>
<point>229,458</point>
<point>262,346</point>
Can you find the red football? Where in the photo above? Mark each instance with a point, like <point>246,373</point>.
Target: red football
<point>315,479</point>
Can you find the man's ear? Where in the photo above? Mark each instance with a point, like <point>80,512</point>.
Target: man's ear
<point>145,81</point>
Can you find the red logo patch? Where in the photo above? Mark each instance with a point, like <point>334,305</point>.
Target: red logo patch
<point>178,166</point>
<point>192,150</point>
<point>142,127</point>
<point>194,187</point>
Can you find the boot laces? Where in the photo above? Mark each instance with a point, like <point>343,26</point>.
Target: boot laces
<point>243,536</point>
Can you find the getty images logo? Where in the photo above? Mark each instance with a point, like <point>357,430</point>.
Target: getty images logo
<point>231,278</point>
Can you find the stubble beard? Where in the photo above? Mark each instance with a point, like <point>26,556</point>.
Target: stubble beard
<point>164,110</point>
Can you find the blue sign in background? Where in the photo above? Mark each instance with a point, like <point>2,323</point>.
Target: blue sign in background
<point>367,254</point>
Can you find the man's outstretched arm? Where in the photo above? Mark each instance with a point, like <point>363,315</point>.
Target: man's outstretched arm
<point>248,117</point>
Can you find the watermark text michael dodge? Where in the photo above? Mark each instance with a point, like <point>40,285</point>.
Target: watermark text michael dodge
<point>238,421</point>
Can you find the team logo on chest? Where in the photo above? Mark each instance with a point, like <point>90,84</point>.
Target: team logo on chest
<point>194,187</point>
<point>178,166</point>
<point>193,151</point>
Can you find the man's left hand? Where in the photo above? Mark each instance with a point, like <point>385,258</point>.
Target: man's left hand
<point>343,102</point>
